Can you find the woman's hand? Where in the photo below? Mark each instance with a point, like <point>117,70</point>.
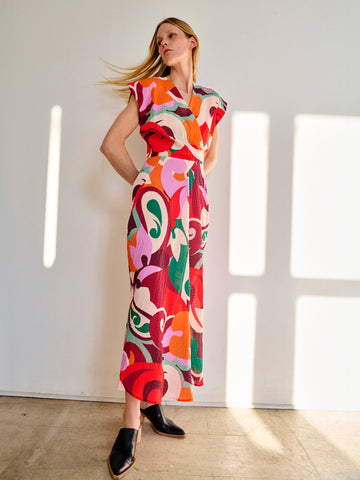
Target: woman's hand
<point>113,145</point>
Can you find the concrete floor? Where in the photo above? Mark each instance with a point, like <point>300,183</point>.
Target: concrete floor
<point>43,439</point>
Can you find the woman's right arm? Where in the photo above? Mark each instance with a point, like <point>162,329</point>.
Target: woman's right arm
<point>113,145</point>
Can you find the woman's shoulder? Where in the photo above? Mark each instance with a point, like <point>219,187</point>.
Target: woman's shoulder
<point>210,92</point>
<point>146,81</point>
<point>163,83</point>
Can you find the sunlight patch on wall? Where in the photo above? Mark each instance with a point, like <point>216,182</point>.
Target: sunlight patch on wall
<point>52,188</point>
<point>326,198</point>
<point>240,350</point>
<point>327,354</point>
<point>248,192</point>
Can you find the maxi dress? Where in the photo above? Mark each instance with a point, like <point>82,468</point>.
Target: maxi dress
<point>167,230</point>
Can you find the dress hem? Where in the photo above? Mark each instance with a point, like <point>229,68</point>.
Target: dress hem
<point>120,387</point>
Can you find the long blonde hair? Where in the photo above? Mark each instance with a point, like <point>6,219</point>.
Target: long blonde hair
<point>153,65</point>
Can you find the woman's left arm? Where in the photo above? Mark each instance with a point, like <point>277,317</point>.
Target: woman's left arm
<point>211,156</point>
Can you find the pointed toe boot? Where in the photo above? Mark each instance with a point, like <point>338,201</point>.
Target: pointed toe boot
<point>122,456</point>
<point>161,424</point>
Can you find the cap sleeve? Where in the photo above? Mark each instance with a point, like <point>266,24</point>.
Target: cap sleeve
<point>133,86</point>
<point>136,89</point>
<point>220,108</point>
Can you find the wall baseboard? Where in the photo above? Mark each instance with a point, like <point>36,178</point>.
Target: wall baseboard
<point>121,400</point>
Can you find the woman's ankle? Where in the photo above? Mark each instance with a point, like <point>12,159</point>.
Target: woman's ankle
<point>145,404</point>
<point>131,420</point>
<point>131,415</point>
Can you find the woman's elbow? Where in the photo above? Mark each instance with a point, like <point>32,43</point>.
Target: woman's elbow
<point>103,148</point>
<point>108,146</point>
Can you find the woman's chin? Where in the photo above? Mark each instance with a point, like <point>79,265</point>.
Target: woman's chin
<point>169,61</point>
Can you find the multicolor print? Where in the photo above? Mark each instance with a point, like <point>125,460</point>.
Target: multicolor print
<point>167,231</point>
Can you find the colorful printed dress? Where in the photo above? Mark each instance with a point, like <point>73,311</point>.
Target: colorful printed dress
<point>167,230</point>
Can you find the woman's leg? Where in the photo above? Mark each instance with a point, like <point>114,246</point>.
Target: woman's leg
<point>122,455</point>
<point>131,416</point>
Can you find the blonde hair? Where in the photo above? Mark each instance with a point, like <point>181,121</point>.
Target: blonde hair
<point>153,65</point>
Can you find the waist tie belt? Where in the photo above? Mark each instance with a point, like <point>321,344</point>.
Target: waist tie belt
<point>176,154</point>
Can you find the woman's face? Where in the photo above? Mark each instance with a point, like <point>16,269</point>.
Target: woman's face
<point>173,44</point>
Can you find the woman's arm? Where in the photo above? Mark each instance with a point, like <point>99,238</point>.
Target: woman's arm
<point>211,156</point>
<point>113,145</point>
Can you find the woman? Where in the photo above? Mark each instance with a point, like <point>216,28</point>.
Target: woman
<point>167,230</point>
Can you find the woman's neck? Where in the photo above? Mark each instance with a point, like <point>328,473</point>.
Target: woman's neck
<point>182,77</point>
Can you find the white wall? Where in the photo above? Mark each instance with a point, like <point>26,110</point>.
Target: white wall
<point>62,328</point>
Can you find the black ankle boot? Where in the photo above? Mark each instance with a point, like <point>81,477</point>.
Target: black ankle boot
<point>122,456</point>
<point>161,424</point>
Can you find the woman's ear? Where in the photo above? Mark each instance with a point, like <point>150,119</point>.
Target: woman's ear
<point>193,42</point>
